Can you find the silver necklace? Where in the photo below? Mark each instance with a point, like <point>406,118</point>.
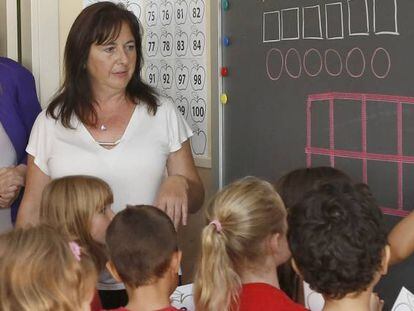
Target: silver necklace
<point>103,127</point>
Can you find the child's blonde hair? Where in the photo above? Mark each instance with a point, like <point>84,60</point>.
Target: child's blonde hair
<point>69,203</point>
<point>39,271</point>
<point>248,211</point>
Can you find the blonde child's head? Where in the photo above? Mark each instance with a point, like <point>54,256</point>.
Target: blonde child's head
<point>80,207</point>
<point>242,217</point>
<point>41,270</point>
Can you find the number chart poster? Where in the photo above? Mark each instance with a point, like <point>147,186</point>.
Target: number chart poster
<point>175,59</point>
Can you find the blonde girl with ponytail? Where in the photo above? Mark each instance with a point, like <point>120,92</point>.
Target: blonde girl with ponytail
<point>242,246</point>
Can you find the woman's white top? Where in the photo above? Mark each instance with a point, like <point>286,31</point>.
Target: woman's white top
<point>134,168</point>
<point>8,155</point>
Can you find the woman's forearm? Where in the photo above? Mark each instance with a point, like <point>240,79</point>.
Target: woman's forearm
<point>36,181</point>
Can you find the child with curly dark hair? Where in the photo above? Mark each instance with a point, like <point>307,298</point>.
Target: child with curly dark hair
<point>292,187</point>
<point>339,244</point>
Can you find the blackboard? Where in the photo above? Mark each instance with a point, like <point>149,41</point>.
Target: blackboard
<point>324,83</point>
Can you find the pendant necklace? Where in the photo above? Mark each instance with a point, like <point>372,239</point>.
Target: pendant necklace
<point>103,127</point>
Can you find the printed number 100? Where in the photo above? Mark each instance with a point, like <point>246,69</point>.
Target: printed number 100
<point>198,111</point>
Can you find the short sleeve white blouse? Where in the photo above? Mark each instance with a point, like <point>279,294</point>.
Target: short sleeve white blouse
<point>134,168</point>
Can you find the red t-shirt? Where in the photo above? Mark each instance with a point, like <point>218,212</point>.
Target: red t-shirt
<point>96,302</point>
<point>261,296</point>
<point>171,308</point>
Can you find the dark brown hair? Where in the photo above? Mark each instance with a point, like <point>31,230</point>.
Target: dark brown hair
<point>292,187</point>
<point>98,23</point>
<point>141,241</point>
<point>337,236</point>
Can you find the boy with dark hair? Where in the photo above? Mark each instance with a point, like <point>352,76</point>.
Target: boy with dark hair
<point>144,255</point>
<point>339,244</point>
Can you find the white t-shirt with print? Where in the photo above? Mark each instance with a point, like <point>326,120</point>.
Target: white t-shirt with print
<point>134,168</point>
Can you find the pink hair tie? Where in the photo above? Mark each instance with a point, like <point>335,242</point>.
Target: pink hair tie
<point>217,224</point>
<point>76,250</point>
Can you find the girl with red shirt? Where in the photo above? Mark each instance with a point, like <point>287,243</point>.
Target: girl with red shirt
<point>242,246</point>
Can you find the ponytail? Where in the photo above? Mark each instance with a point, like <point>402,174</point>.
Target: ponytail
<point>215,267</point>
<point>240,217</point>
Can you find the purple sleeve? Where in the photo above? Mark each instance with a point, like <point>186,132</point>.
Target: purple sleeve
<point>27,101</point>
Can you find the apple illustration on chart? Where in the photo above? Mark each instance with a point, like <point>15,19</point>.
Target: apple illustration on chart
<point>164,93</point>
<point>198,142</point>
<point>151,14</point>
<point>180,12</point>
<point>134,8</point>
<point>152,75</point>
<point>166,12</point>
<point>182,75</point>
<point>198,109</point>
<point>182,105</point>
<point>197,43</point>
<point>196,11</point>
<point>166,76</point>
<point>151,44</point>
<point>198,77</point>
<point>166,41</point>
<point>181,43</point>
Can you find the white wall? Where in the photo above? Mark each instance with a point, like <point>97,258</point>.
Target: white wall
<point>45,47</point>
<point>8,29</point>
<point>3,28</point>
<point>68,11</point>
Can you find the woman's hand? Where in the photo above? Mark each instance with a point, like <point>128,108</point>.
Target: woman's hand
<point>11,181</point>
<point>182,192</point>
<point>173,198</point>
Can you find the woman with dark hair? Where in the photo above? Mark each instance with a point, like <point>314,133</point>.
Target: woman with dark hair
<point>106,122</point>
<point>18,110</point>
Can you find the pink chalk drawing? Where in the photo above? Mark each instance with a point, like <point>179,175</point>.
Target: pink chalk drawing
<point>335,52</point>
<point>269,73</point>
<point>293,50</point>
<point>387,55</point>
<point>327,62</point>
<point>320,61</point>
<point>355,75</point>
<point>362,155</point>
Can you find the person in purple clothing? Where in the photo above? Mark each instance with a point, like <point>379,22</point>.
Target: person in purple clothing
<point>19,108</point>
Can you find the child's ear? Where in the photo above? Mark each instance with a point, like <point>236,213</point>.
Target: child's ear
<point>274,243</point>
<point>111,268</point>
<point>277,244</point>
<point>176,261</point>
<point>385,260</point>
<point>295,267</point>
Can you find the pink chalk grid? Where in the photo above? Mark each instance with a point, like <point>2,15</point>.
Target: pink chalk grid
<point>363,155</point>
